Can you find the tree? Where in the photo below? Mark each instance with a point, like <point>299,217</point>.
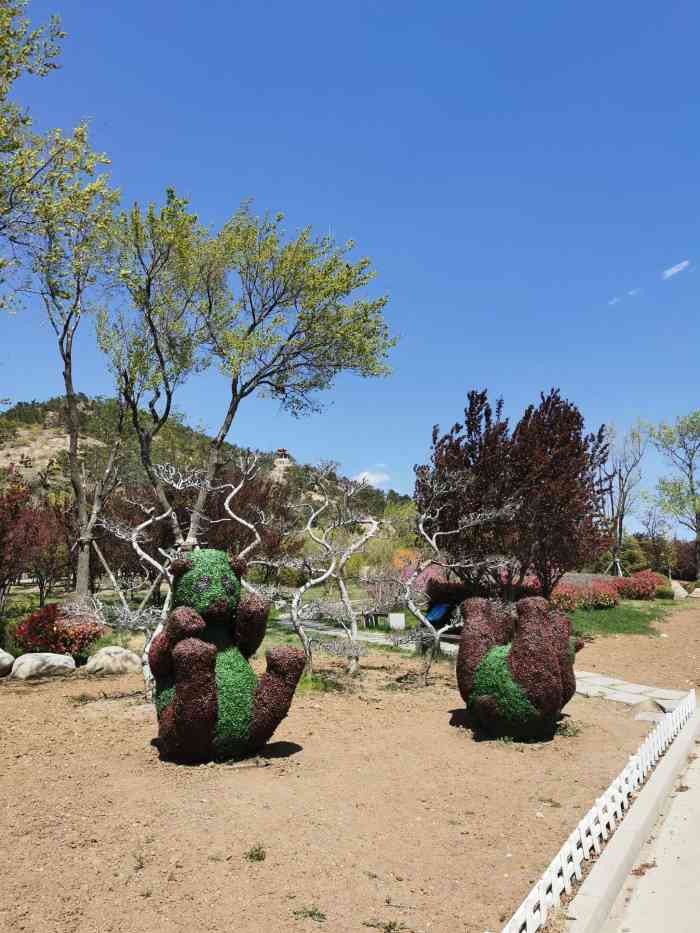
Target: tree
<point>540,483</point>
<point>620,477</point>
<point>277,317</point>
<point>656,541</point>
<point>471,471</point>
<point>14,498</point>
<point>68,247</point>
<point>560,522</point>
<point>30,163</point>
<point>40,540</point>
<point>679,496</point>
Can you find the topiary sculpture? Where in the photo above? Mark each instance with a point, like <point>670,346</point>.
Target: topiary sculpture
<point>209,702</point>
<point>516,673</point>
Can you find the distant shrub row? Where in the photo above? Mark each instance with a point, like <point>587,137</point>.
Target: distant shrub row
<point>604,594</point>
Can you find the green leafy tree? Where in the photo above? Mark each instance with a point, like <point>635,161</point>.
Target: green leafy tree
<point>679,496</point>
<point>30,163</point>
<point>68,250</point>
<point>278,317</point>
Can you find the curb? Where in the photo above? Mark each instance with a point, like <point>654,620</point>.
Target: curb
<point>591,906</point>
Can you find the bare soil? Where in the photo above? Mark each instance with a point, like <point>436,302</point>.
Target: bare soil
<point>373,811</point>
<point>672,660</point>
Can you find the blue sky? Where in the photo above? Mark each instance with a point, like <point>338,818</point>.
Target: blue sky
<point>522,176</point>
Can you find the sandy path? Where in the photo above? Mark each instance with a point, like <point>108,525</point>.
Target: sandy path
<point>373,808</point>
<point>672,660</point>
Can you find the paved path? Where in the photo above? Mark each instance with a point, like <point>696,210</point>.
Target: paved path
<point>612,688</point>
<point>665,894</point>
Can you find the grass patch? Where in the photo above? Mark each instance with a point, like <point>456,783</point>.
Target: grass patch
<point>631,617</point>
<point>310,913</point>
<point>256,853</point>
<point>318,683</point>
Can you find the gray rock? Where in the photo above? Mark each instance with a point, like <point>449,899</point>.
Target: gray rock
<point>113,660</point>
<point>43,664</point>
<point>6,662</point>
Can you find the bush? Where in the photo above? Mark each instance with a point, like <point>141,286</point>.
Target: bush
<point>599,594</point>
<point>565,597</point>
<point>642,585</point>
<point>664,592</point>
<point>46,630</point>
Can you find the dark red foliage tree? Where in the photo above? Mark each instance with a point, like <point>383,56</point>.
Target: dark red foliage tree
<point>472,465</point>
<point>14,498</point>
<point>39,533</point>
<point>547,468</point>
<point>560,520</point>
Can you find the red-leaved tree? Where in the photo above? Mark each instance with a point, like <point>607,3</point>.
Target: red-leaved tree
<point>540,480</point>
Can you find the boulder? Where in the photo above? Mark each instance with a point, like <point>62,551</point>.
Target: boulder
<point>113,660</point>
<point>6,662</point>
<point>42,664</point>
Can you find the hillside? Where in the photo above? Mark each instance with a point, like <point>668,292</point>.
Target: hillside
<point>33,438</point>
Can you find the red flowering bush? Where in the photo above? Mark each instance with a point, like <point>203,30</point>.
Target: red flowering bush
<point>565,597</point>
<point>598,594</point>
<point>641,585</point>
<point>46,630</point>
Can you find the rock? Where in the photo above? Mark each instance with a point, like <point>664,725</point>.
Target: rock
<point>43,664</point>
<point>679,592</point>
<point>6,662</point>
<point>113,660</point>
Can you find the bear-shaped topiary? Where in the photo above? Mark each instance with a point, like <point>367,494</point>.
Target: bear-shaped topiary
<point>209,702</point>
<point>516,673</point>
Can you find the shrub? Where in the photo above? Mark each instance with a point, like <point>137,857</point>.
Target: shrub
<point>642,585</point>
<point>565,597</point>
<point>600,594</point>
<point>664,592</point>
<point>46,630</point>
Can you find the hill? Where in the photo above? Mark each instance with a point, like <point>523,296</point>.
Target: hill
<point>33,437</point>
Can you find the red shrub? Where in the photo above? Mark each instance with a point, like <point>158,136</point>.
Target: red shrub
<point>565,597</point>
<point>46,630</point>
<point>598,594</point>
<point>641,585</point>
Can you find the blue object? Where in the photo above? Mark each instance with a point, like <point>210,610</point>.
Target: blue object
<point>437,612</point>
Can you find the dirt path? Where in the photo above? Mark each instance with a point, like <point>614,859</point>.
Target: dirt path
<point>373,809</point>
<point>672,660</point>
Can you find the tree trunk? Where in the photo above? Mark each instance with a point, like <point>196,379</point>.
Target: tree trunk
<point>82,573</point>
<point>212,467</point>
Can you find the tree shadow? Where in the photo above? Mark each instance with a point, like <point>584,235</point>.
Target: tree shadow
<point>281,750</point>
<point>461,718</point>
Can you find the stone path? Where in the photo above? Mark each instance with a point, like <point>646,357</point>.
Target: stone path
<point>663,893</point>
<point>620,691</point>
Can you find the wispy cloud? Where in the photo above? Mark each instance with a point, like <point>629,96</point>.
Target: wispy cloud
<point>674,270</point>
<point>614,301</point>
<point>634,291</point>
<point>373,477</point>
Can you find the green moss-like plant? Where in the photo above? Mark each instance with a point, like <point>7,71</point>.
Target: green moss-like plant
<point>235,686</point>
<point>493,678</point>
<point>163,698</point>
<point>210,580</point>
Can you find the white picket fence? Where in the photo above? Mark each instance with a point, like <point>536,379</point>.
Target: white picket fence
<point>597,825</point>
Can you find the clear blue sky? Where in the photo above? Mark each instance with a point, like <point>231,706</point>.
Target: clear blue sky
<point>512,169</point>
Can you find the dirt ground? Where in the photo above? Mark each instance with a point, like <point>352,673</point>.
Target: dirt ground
<point>671,660</point>
<point>374,812</point>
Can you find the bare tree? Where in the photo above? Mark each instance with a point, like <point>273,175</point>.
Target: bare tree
<point>620,479</point>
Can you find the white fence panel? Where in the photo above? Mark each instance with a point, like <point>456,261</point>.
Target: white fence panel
<point>595,827</point>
